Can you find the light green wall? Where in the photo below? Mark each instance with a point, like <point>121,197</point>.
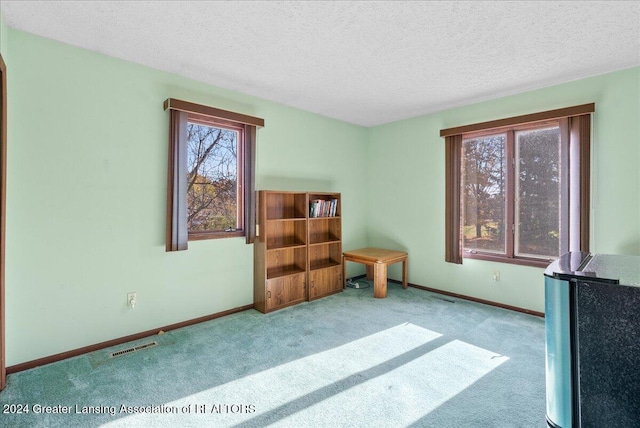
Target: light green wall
<point>406,169</point>
<point>87,188</point>
<point>86,193</point>
<point>3,38</point>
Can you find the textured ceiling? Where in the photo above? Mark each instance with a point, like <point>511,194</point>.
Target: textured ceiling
<point>363,62</point>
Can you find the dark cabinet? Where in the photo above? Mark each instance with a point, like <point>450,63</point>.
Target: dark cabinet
<point>592,325</point>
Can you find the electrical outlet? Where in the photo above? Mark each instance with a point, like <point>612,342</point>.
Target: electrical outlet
<point>131,300</point>
<point>496,275</point>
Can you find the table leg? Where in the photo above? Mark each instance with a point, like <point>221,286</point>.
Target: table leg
<point>344,274</point>
<point>405,283</point>
<point>370,272</point>
<point>380,280</point>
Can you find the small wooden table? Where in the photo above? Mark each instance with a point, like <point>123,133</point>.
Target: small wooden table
<point>377,260</point>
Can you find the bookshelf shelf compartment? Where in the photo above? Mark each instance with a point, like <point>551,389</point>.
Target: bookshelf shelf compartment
<point>286,259</point>
<point>286,205</point>
<point>284,271</point>
<point>285,234</point>
<point>297,256</point>
<point>323,264</point>
<point>284,245</point>
<point>324,230</point>
<point>326,253</point>
<point>324,205</point>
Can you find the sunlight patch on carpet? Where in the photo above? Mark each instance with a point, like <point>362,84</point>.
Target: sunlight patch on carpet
<point>410,391</point>
<point>320,384</point>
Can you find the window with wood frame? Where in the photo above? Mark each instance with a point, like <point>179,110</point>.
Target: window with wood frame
<point>214,185</point>
<point>517,189</point>
<point>210,191</point>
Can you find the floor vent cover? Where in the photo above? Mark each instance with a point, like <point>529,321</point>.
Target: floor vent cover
<point>133,349</point>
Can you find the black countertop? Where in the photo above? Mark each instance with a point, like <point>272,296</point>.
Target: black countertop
<point>606,268</point>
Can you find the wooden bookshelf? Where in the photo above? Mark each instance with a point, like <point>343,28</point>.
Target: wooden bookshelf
<point>325,246</point>
<point>299,243</point>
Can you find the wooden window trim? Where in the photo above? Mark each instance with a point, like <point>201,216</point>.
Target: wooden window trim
<point>201,236</point>
<point>453,239</point>
<point>520,120</point>
<point>584,124</point>
<point>176,233</point>
<point>523,261</point>
<point>177,236</point>
<point>579,119</point>
<point>189,107</point>
<point>510,195</point>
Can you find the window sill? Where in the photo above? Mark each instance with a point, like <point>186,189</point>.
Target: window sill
<point>510,260</point>
<point>201,236</point>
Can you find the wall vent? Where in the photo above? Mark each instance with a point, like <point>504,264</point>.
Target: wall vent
<point>133,349</point>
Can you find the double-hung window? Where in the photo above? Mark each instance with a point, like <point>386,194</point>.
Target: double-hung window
<point>518,188</point>
<point>210,188</point>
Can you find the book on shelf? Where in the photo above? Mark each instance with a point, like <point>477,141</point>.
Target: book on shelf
<point>323,208</point>
<point>313,208</point>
